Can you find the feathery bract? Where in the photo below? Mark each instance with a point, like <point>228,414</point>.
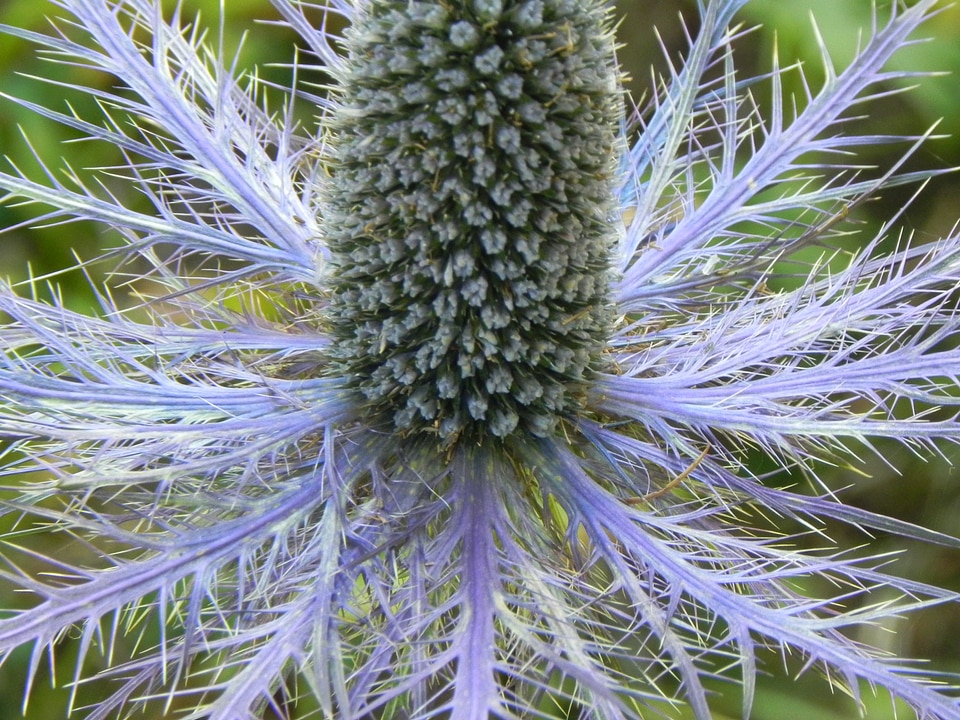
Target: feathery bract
<point>438,396</point>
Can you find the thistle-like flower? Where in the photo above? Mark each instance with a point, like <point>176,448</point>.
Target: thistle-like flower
<point>441,406</point>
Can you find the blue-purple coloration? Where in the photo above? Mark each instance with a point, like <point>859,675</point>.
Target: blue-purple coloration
<point>239,476</point>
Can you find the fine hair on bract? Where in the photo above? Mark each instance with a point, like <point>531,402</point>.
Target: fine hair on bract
<point>437,382</point>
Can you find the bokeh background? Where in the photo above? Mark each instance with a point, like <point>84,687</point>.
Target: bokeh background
<point>893,482</point>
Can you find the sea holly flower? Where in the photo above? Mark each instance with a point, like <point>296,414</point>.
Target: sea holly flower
<point>442,405</point>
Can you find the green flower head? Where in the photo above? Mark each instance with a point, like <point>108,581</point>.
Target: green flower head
<point>471,214</point>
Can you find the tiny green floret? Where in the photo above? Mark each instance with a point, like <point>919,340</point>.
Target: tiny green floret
<point>471,212</point>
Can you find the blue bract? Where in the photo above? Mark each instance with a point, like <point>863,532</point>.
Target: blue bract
<point>437,394</point>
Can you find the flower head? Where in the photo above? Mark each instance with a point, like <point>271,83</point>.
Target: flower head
<point>471,214</point>
<point>441,408</point>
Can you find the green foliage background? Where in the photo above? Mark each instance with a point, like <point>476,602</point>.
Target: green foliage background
<point>921,492</point>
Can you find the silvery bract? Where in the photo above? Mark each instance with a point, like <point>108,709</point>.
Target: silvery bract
<point>438,395</point>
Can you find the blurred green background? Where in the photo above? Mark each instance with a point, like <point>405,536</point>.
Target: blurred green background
<point>919,491</point>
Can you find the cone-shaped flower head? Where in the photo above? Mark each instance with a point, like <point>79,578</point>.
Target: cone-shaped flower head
<point>470,210</point>
<point>446,407</point>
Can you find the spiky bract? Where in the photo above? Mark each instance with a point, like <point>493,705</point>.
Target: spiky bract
<point>241,543</point>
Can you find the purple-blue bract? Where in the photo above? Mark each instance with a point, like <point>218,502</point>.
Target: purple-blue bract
<point>440,407</point>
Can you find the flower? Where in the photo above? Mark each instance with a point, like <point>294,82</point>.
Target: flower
<point>442,407</point>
